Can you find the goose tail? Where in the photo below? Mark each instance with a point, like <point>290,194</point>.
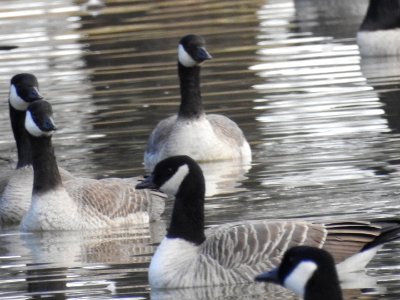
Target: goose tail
<point>390,230</point>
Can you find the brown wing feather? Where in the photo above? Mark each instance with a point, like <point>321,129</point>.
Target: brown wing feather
<point>111,197</point>
<point>259,242</point>
<point>262,243</point>
<point>347,238</point>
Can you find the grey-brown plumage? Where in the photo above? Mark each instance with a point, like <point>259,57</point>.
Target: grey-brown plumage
<point>16,184</point>
<point>95,198</point>
<point>192,132</point>
<point>78,203</point>
<point>235,253</point>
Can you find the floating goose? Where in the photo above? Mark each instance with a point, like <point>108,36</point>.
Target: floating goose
<point>309,272</point>
<point>236,252</point>
<point>16,185</point>
<point>205,137</point>
<point>78,203</point>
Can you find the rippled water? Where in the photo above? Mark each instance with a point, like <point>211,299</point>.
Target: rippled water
<point>323,123</point>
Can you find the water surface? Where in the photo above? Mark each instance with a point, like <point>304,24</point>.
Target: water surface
<point>322,122</point>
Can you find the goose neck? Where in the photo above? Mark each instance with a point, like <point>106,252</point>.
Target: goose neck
<point>46,175</point>
<point>187,221</point>
<point>327,284</point>
<point>381,15</point>
<point>191,102</point>
<point>21,137</point>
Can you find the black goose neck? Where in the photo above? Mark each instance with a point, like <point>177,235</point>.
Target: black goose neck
<point>21,137</point>
<point>187,221</point>
<point>381,15</point>
<point>323,285</point>
<point>46,176</point>
<point>191,102</point>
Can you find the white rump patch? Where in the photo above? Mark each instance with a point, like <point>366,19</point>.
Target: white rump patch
<point>299,277</point>
<point>184,57</point>
<point>16,101</point>
<point>357,262</point>
<point>171,186</point>
<point>32,128</point>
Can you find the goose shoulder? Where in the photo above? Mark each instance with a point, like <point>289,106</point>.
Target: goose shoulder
<point>160,134</point>
<point>226,129</point>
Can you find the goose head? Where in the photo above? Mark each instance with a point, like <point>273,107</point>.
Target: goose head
<point>39,119</point>
<point>192,51</point>
<point>175,175</point>
<point>307,271</point>
<point>24,89</point>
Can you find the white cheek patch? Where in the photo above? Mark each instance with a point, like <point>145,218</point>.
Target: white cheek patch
<point>33,129</point>
<point>184,57</point>
<point>16,101</point>
<point>171,186</point>
<point>299,277</point>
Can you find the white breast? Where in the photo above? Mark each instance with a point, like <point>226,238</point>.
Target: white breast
<point>51,211</point>
<point>166,270</point>
<point>197,139</point>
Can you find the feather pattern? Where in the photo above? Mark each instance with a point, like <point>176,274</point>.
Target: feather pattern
<point>235,252</point>
<point>80,203</point>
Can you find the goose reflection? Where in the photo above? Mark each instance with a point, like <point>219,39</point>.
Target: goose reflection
<point>92,256</point>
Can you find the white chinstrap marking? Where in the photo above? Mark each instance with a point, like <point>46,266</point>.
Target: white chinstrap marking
<point>297,280</point>
<point>33,129</point>
<point>16,101</point>
<point>171,186</point>
<point>184,57</point>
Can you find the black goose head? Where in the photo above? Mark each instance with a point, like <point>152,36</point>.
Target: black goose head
<point>24,89</point>
<point>169,174</point>
<point>307,271</point>
<point>192,51</point>
<point>39,119</point>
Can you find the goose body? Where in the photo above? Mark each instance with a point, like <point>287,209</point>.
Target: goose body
<point>309,272</point>
<point>205,137</point>
<point>379,34</point>
<point>16,184</point>
<point>234,253</point>
<point>78,203</point>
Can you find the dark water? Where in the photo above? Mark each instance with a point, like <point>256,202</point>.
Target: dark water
<point>323,124</point>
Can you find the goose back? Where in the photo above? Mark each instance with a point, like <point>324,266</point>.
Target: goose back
<point>235,252</point>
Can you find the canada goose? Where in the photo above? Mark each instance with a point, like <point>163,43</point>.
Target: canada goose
<point>205,137</point>
<point>78,203</point>
<point>309,272</point>
<point>231,253</point>
<point>16,185</point>
<point>379,33</point>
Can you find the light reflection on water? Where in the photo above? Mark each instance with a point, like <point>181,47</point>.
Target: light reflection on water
<point>323,124</point>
